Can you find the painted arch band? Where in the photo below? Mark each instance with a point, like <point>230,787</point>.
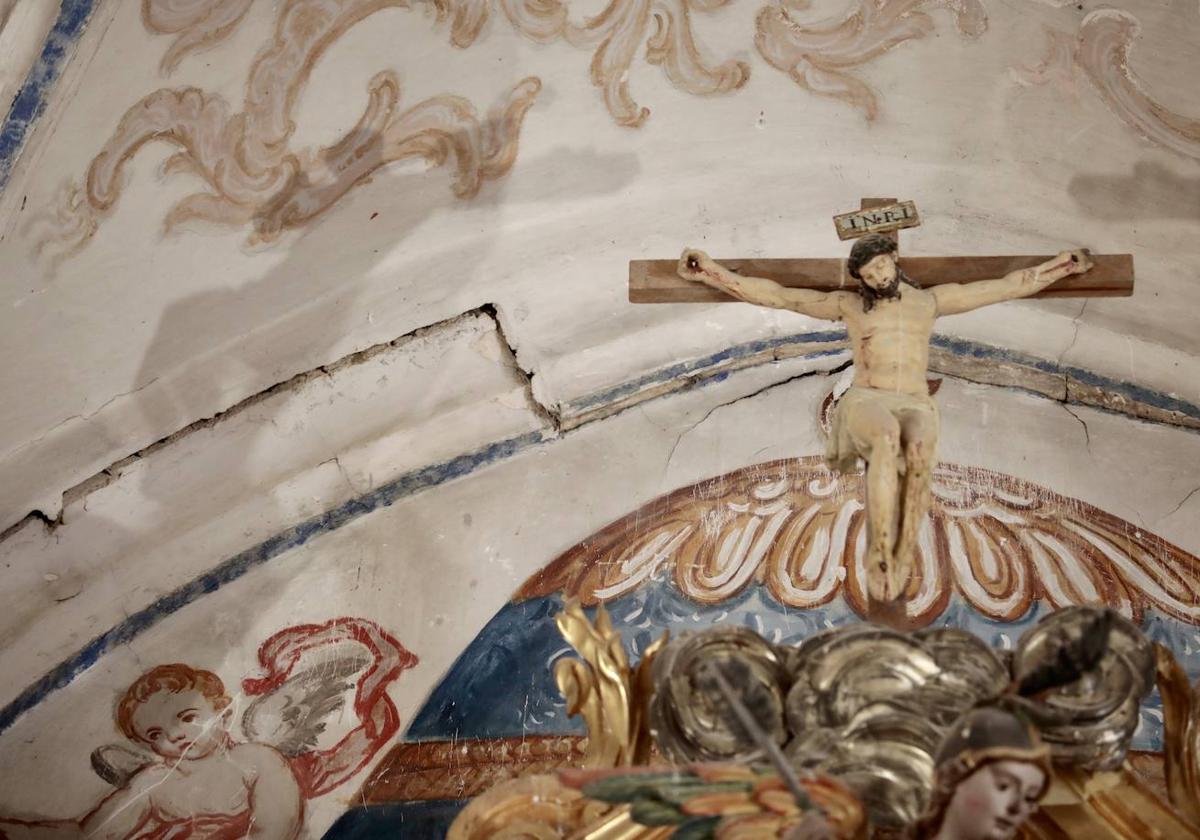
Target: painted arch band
<point>1000,542</point>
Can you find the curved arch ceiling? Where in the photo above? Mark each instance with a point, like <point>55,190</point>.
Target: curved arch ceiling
<point>264,261</point>
<point>337,174</point>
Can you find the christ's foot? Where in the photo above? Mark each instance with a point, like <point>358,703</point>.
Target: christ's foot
<point>890,613</point>
<point>886,585</point>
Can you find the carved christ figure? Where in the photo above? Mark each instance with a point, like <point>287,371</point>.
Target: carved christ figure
<point>887,418</point>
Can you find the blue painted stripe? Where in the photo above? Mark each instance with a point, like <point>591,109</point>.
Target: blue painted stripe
<point>1132,392</point>
<point>240,564</point>
<point>233,568</point>
<point>30,101</point>
<point>702,368</point>
<point>703,365</point>
<point>432,476</point>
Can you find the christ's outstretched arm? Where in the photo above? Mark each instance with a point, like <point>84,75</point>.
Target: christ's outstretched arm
<point>698,267</point>
<point>953,298</point>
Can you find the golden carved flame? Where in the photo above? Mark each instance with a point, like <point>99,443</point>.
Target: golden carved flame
<point>601,688</point>
<point>612,698</point>
<point>1181,734</point>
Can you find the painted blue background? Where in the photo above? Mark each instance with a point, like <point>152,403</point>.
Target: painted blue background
<point>503,684</point>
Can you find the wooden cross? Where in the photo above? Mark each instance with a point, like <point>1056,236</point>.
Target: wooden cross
<point>655,281</point>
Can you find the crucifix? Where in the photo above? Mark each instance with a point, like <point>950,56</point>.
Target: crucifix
<point>887,418</point>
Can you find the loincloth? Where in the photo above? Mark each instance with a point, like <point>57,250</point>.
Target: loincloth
<point>843,449</point>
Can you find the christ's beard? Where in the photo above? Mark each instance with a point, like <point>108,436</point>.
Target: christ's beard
<point>870,295</point>
<point>891,290</point>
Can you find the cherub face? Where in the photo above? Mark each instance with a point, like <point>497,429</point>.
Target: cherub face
<point>880,272</point>
<point>993,802</point>
<point>180,724</point>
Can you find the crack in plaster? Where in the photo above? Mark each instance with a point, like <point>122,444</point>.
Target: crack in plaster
<point>552,416</point>
<point>1086,433</point>
<point>341,469</point>
<point>234,567</point>
<point>1182,502</point>
<point>759,392</point>
<point>964,376</point>
<point>1075,337</point>
<point>548,414</point>
<point>1063,355</point>
<point>85,417</point>
<point>112,472</point>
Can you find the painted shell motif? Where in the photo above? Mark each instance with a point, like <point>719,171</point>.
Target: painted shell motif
<point>793,526</point>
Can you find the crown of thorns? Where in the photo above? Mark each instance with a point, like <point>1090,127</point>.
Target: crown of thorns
<point>867,249</point>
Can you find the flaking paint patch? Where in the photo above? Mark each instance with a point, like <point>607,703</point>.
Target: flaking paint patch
<point>955,356</point>
<point>488,346</point>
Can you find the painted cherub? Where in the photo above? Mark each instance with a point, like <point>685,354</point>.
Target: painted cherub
<point>189,777</point>
<point>200,777</point>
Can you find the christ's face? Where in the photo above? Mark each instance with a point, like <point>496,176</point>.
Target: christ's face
<point>993,802</point>
<point>880,273</point>
<point>180,724</point>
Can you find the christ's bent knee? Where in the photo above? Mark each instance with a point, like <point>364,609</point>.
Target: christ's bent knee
<point>886,444</point>
<point>918,456</point>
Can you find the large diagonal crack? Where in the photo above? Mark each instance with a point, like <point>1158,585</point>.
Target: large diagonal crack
<point>113,471</point>
<point>550,415</point>
<point>1183,502</point>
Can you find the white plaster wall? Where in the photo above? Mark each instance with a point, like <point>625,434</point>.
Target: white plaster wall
<point>140,336</point>
<point>434,567</point>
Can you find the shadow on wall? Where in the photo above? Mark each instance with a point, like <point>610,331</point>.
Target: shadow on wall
<point>1151,190</point>
<point>320,314</point>
<point>299,306</point>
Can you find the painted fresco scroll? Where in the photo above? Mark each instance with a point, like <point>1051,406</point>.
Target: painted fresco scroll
<point>253,176</point>
<point>183,773</point>
<point>820,56</point>
<point>196,23</point>
<point>255,179</point>
<point>1100,51</point>
<point>615,35</point>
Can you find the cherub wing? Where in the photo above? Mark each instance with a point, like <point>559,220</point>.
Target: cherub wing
<point>118,764</point>
<point>305,677</point>
<point>292,717</point>
<point>999,542</point>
